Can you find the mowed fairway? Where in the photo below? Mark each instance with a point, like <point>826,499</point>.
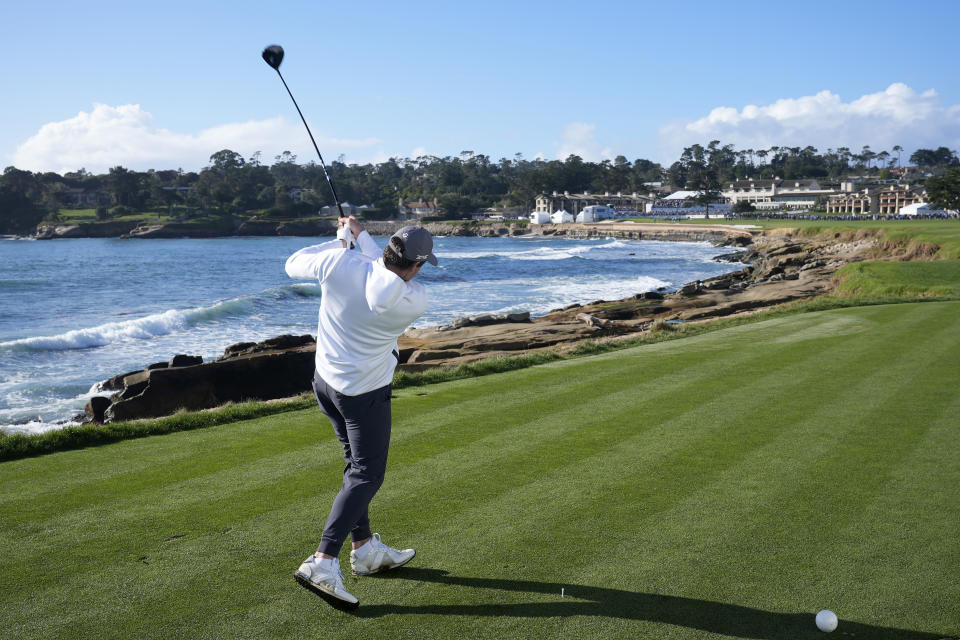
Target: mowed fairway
<point>726,485</point>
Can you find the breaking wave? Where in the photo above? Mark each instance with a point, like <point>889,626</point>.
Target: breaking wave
<point>543,253</point>
<point>160,324</point>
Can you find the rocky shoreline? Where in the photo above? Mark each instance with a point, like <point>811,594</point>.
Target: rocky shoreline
<point>327,227</point>
<point>782,266</point>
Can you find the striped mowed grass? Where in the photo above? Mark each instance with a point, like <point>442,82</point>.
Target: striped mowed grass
<point>730,484</point>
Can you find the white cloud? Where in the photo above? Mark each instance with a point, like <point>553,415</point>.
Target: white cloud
<point>378,157</point>
<point>124,135</point>
<point>419,152</point>
<point>898,115</point>
<point>579,138</point>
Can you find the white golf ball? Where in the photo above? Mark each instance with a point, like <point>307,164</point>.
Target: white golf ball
<point>826,620</point>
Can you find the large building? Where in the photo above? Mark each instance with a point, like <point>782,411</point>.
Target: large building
<point>893,198</point>
<point>861,202</point>
<point>880,200</point>
<point>576,202</point>
<point>776,193</point>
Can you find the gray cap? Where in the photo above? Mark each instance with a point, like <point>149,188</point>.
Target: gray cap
<point>417,244</point>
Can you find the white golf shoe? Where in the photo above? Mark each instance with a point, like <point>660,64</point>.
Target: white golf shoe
<point>378,557</point>
<point>328,579</point>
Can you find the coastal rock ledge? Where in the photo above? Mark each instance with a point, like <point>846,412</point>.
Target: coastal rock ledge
<point>277,368</point>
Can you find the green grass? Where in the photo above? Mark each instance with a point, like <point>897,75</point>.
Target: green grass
<point>23,445</point>
<point>728,484</point>
<point>939,278</point>
<point>76,216</point>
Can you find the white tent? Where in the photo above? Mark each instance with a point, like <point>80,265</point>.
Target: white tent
<point>917,208</point>
<point>539,217</point>
<point>682,195</point>
<point>348,209</point>
<point>559,217</point>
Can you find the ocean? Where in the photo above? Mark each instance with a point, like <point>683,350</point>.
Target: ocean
<point>76,312</point>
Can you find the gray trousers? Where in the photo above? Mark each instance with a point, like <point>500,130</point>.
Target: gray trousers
<point>362,424</point>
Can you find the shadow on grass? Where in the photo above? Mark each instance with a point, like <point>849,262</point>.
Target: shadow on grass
<point>336,603</point>
<point>704,615</point>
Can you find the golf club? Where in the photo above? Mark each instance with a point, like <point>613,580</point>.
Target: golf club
<point>273,56</point>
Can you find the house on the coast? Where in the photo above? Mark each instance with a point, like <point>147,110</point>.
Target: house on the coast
<point>79,197</point>
<point>418,209</point>
<point>296,194</point>
<point>877,199</point>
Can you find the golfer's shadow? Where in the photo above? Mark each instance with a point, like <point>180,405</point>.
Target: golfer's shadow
<point>714,617</point>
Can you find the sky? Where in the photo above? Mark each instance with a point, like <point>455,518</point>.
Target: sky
<point>164,85</point>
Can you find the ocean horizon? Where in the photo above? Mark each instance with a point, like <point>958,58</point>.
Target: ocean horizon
<point>76,312</point>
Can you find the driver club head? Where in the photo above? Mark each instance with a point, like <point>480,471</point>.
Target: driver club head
<point>273,56</point>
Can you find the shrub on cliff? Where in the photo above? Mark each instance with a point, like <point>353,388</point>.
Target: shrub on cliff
<point>120,210</point>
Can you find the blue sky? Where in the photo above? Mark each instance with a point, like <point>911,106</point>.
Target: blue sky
<point>164,85</point>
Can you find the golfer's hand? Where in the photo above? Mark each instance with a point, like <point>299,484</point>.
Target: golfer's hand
<point>355,227</point>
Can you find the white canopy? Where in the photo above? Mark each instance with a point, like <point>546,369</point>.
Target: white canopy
<point>914,209</point>
<point>682,195</point>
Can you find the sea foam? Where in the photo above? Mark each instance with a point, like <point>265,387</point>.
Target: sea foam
<point>158,324</point>
<point>563,251</point>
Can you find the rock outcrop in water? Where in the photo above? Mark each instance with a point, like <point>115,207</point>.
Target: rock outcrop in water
<point>276,368</point>
<point>84,230</point>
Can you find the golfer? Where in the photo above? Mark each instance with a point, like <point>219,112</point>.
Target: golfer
<point>368,299</point>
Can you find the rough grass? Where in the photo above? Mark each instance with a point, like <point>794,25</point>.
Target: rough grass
<point>404,379</point>
<point>728,484</point>
<point>939,278</point>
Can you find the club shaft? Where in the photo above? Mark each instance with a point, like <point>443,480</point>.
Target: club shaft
<point>323,165</point>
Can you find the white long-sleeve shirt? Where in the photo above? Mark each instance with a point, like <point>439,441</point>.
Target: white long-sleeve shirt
<point>364,307</point>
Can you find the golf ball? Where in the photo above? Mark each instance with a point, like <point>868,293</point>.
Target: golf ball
<point>826,620</point>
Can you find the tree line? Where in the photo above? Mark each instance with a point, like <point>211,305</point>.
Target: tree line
<point>711,166</point>
<point>462,184</point>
